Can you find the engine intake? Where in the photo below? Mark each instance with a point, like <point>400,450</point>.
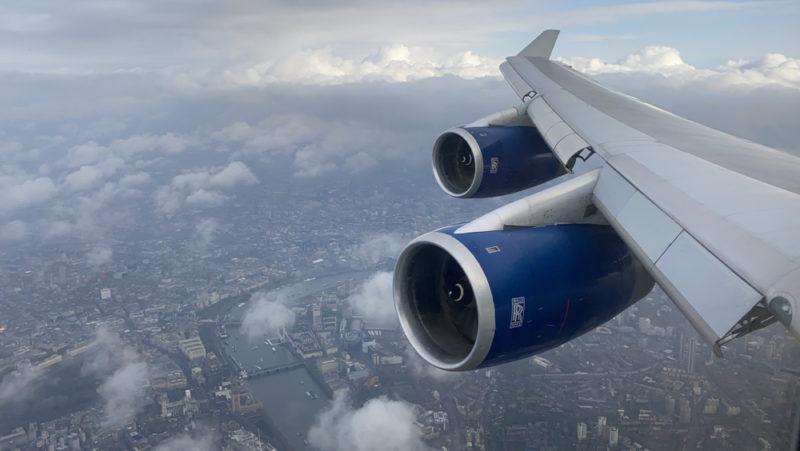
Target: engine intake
<point>492,161</point>
<point>470,300</point>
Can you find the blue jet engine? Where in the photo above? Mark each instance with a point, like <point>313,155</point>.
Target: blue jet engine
<point>471,300</point>
<point>492,161</point>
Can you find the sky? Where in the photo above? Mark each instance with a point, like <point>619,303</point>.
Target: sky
<point>182,105</point>
<point>210,37</point>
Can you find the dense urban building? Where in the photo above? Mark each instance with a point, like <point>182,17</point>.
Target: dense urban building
<point>173,318</point>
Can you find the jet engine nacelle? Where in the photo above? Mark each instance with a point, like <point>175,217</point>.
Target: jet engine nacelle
<point>492,161</point>
<point>470,300</point>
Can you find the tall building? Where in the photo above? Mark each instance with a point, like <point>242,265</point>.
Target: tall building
<point>669,406</point>
<point>329,368</point>
<point>316,318</point>
<point>685,414</point>
<point>582,431</point>
<point>601,426</point>
<point>613,436</point>
<point>692,346</point>
<point>236,400</point>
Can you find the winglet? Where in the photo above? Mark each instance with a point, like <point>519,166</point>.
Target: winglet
<point>542,46</point>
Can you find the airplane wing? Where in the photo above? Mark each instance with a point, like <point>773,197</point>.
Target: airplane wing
<point>715,219</point>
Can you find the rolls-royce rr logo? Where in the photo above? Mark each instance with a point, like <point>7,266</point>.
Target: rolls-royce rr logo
<point>494,165</point>
<point>517,312</point>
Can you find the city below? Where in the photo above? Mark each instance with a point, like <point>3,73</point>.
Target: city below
<point>270,325</point>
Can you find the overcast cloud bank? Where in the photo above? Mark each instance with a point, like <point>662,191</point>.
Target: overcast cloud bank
<point>170,139</point>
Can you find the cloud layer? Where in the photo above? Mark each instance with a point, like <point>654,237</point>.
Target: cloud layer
<point>200,187</point>
<point>162,141</point>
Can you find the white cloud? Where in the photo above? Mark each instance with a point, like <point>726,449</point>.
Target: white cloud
<point>88,212</point>
<point>9,148</point>
<point>170,198</point>
<point>16,194</point>
<point>57,228</point>
<point>320,142</point>
<point>124,374</point>
<point>91,153</point>
<point>277,133</point>
<point>772,69</point>
<point>86,154</point>
<point>84,178</point>
<point>167,199</point>
<point>267,314</point>
<point>18,383</point>
<point>99,256</point>
<point>135,179</point>
<point>253,37</point>
<point>204,234</point>
<point>206,198</point>
<point>107,353</point>
<point>652,59</point>
<point>91,176</point>
<point>379,247</point>
<point>344,146</point>
<point>191,180</point>
<point>169,143</point>
<point>757,100</point>
<point>373,299</point>
<point>359,162</point>
<point>236,173</point>
<point>380,423</point>
<point>658,58</point>
<point>123,393</point>
<point>393,63</point>
<point>423,369</point>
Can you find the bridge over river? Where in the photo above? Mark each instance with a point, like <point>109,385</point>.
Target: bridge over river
<point>274,369</point>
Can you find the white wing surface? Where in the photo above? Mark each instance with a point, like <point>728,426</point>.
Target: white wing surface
<point>715,218</point>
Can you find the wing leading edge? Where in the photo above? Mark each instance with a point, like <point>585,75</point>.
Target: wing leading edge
<point>714,218</point>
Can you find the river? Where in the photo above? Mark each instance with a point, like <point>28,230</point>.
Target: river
<point>291,398</point>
